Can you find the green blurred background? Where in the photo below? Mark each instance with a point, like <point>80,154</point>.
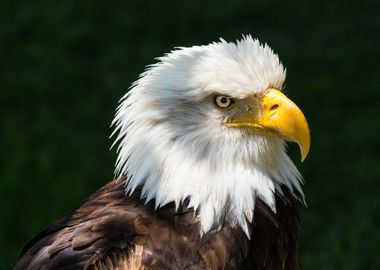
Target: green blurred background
<point>65,65</point>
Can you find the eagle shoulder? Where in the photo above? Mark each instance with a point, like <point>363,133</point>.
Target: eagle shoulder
<point>102,224</point>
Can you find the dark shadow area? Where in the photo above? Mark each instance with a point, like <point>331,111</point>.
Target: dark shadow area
<point>65,65</point>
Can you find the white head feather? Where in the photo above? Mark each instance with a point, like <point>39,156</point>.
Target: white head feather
<point>172,140</point>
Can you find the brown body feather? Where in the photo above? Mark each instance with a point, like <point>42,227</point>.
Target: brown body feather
<point>111,230</point>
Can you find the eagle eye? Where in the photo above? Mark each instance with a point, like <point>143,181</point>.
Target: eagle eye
<point>223,101</point>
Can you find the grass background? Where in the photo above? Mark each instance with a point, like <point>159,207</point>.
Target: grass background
<point>65,64</point>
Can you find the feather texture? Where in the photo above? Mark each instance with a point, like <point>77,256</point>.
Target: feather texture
<point>113,231</point>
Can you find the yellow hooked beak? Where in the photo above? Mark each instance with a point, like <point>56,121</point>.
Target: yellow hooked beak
<point>276,115</point>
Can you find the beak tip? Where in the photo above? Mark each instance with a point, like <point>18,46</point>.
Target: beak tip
<point>304,154</point>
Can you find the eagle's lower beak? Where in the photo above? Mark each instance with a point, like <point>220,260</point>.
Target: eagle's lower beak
<point>276,115</point>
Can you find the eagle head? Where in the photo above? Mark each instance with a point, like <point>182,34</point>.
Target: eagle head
<point>209,124</point>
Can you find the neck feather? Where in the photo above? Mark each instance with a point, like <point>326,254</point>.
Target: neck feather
<point>222,179</point>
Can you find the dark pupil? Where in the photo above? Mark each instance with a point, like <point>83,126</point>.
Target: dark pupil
<point>223,100</point>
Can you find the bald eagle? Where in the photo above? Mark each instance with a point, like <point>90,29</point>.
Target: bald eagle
<point>203,178</point>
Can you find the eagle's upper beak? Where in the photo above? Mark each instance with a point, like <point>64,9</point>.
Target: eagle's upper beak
<point>276,115</point>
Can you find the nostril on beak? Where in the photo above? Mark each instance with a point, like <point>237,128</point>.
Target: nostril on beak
<point>274,107</point>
